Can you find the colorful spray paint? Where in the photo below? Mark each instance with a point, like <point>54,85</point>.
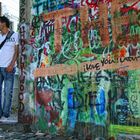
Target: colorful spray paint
<point>84,63</point>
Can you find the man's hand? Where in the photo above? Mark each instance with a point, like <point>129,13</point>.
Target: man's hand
<point>9,68</point>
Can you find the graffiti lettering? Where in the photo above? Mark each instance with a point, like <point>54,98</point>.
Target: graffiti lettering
<point>22,10</point>
<point>23,36</point>
<point>57,16</point>
<point>49,5</point>
<point>119,21</point>
<point>122,60</point>
<point>92,66</point>
<point>134,102</point>
<point>128,63</point>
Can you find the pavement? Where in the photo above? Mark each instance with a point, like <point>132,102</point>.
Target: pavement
<point>12,130</point>
<point>15,131</point>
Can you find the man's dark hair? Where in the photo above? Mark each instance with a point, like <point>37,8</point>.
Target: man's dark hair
<point>4,19</point>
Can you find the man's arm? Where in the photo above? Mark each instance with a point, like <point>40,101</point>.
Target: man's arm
<point>15,56</point>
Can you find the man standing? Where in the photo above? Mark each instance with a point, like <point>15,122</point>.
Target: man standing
<point>8,57</point>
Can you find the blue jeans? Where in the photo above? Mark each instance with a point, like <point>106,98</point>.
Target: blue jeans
<point>8,79</point>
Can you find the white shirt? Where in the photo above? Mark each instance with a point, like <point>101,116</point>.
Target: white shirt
<point>8,49</point>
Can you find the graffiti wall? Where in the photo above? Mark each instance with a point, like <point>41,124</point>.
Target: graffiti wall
<point>83,68</point>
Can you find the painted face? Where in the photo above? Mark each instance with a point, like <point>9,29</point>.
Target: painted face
<point>121,110</point>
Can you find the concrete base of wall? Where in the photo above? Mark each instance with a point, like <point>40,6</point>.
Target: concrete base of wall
<point>90,131</point>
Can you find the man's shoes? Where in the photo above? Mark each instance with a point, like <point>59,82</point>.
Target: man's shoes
<point>3,119</point>
<point>7,120</point>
